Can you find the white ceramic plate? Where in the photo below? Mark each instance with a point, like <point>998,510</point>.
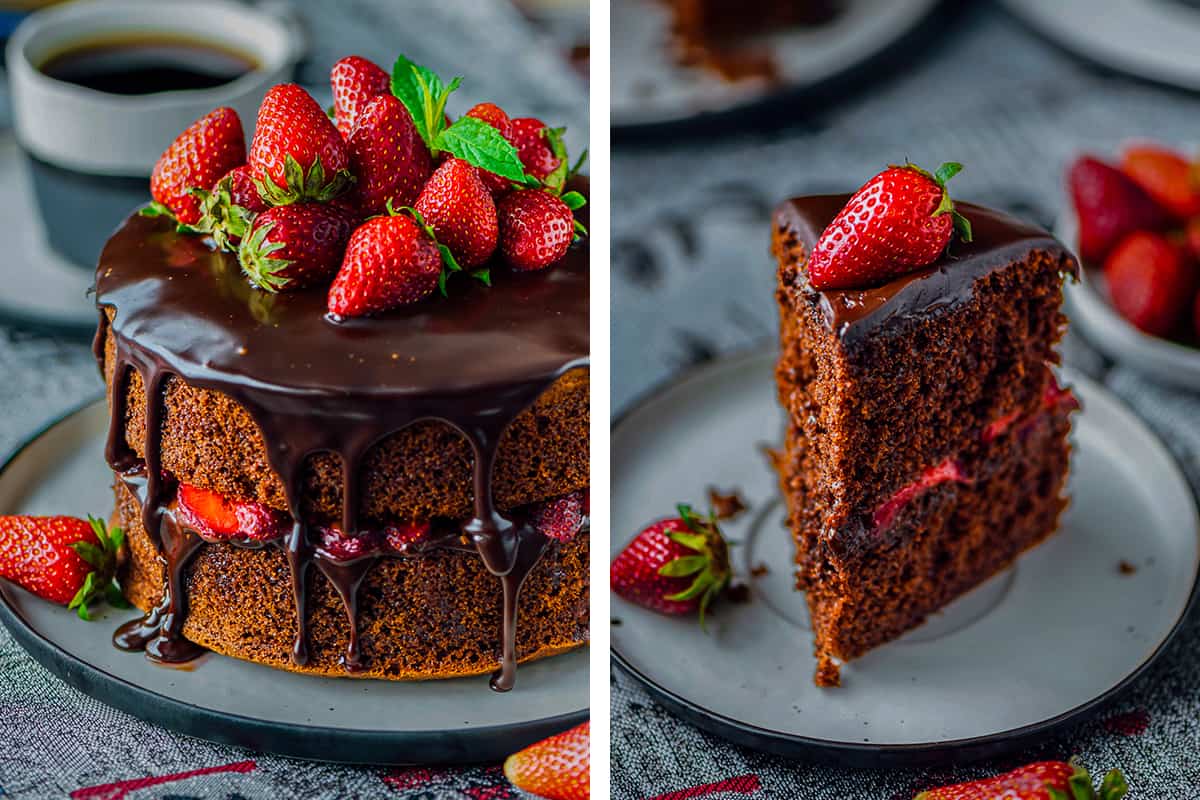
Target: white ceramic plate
<point>1089,308</point>
<point>41,288</point>
<point>1155,39</point>
<point>62,471</point>
<point>649,87</point>
<point>1038,646</point>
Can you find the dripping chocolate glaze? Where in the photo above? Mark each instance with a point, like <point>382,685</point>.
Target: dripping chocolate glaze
<point>474,360</point>
<point>854,314</point>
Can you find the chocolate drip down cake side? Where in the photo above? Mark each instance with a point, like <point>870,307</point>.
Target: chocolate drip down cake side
<point>926,442</point>
<point>367,477</point>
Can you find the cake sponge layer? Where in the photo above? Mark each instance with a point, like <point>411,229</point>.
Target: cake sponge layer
<point>438,616</point>
<point>418,473</point>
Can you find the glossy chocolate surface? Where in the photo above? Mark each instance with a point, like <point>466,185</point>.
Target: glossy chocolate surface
<point>474,360</point>
<point>998,240</point>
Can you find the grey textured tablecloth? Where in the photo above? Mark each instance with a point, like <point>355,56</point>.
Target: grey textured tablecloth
<point>55,741</point>
<point>691,279</point>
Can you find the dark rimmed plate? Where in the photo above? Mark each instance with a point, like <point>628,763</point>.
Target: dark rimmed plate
<point>1043,645</point>
<point>61,470</point>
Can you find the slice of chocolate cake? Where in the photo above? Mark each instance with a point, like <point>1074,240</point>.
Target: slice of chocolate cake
<point>926,442</point>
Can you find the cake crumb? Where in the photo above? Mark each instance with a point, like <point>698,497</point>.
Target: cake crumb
<point>726,505</point>
<point>738,593</point>
<point>1126,568</point>
<point>829,673</point>
<point>758,570</point>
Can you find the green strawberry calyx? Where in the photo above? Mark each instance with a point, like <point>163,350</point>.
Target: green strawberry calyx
<point>962,225</point>
<point>255,254</point>
<point>101,582</point>
<point>299,186</point>
<point>450,264</point>
<point>424,94</point>
<point>708,563</point>
<point>1113,787</point>
<point>221,218</point>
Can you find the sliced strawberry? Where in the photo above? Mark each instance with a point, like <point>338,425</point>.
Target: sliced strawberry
<point>401,535</point>
<point>1166,176</point>
<point>562,518</point>
<point>1149,282</point>
<point>1109,206</point>
<point>207,512</point>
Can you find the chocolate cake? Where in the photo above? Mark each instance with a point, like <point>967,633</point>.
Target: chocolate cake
<point>461,418</point>
<point>926,442</point>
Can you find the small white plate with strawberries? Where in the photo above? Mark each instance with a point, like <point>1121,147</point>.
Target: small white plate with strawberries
<point>1042,645</point>
<point>1134,222</point>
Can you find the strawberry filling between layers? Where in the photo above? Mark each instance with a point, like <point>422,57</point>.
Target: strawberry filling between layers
<point>216,518</point>
<point>1054,398</point>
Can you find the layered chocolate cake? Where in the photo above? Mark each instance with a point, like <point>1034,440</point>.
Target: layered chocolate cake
<point>926,442</point>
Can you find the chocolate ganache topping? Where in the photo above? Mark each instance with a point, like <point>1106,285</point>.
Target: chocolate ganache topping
<point>854,313</point>
<point>474,360</point>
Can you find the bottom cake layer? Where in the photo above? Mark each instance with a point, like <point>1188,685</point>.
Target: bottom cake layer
<point>434,616</point>
<point>954,527</point>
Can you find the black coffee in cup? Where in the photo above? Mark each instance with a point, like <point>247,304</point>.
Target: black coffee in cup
<point>145,65</point>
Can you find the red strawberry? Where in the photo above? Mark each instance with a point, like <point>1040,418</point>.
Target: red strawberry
<point>1109,206</point>
<point>389,261</point>
<point>290,247</point>
<point>536,228</point>
<point>557,768</point>
<point>401,535</point>
<point>1166,176</point>
<point>493,115</point>
<point>210,147</point>
<point>216,517</point>
<point>561,518</point>
<point>341,547</point>
<point>296,153</point>
<point>534,148</point>
<point>1191,235</point>
<point>1149,282</point>
<point>460,210</point>
<point>388,156</point>
<point>64,560</point>
<point>356,82</point>
<point>899,221</point>
<point>228,208</point>
<point>676,566</point>
<point>1044,780</point>
<point>1196,317</point>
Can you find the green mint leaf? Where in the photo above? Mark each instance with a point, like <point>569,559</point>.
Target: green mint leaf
<point>481,145</point>
<point>409,83</point>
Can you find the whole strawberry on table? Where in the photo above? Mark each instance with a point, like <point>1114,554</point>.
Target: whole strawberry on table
<point>381,205</point>
<point>1043,780</point>
<point>1139,225</point>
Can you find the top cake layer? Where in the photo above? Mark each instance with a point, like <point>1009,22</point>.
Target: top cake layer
<point>854,314</point>
<point>191,307</point>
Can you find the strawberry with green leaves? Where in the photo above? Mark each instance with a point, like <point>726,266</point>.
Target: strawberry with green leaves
<point>65,560</point>
<point>356,81</point>
<point>227,210</point>
<point>536,145</point>
<point>459,209</point>
<point>557,768</point>
<point>205,151</point>
<point>390,261</point>
<point>538,227</point>
<point>294,246</point>
<point>297,154</point>
<point>388,156</point>
<point>1044,780</point>
<point>675,566</point>
<point>899,221</point>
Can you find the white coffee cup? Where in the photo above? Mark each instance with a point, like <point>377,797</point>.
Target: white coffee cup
<point>91,152</point>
